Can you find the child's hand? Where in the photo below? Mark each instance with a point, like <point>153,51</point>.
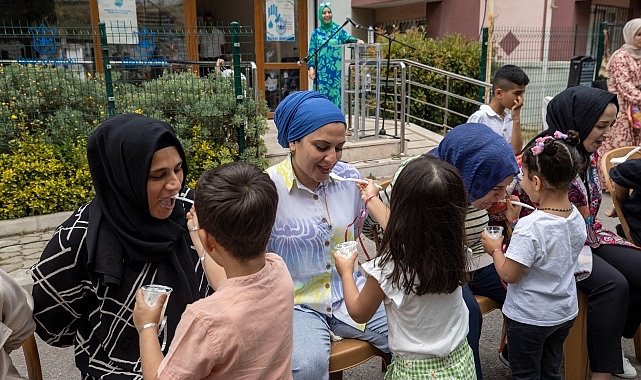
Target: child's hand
<point>489,244</point>
<point>368,188</point>
<point>144,313</point>
<point>518,103</point>
<point>345,266</point>
<point>192,220</point>
<point>513,211</point>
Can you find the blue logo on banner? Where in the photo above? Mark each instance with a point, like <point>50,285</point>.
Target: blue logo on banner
<point>146,45</point>
<point>44,39</point>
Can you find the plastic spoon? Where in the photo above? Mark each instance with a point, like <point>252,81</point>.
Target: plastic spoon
<point>339,178</point>
<point>519,204</point>
<point>182,198</point>
<point>620,160</point>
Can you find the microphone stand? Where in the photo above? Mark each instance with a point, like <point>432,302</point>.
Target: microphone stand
<point>389,52</point>
<point>315,53</point>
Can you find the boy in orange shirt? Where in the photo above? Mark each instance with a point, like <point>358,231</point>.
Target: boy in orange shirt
<point>244,330</point>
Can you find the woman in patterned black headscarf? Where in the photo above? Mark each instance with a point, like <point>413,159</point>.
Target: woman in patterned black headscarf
<point>134,232</point>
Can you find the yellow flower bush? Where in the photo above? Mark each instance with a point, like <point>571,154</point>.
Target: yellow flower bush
<point>47,114</point>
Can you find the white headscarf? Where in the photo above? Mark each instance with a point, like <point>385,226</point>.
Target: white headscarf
<point>629,30</point>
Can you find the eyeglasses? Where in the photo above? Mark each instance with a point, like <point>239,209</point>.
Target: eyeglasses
<point>327,4</point>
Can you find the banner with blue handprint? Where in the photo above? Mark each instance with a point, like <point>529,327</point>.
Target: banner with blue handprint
<point>280,20</point>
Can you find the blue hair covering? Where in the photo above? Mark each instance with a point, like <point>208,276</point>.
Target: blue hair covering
<point>482,156</point>
<point>303,112</point>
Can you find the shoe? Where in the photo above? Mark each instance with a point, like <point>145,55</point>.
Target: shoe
<point>629,372</point>
<point>505,361</point>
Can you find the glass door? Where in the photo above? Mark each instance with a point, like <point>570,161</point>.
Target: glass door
<point>281,41</point>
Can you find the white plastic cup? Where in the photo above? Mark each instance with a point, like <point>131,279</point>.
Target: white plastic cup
<point>346,250</point>
<point>152,292</point>
<point>494,232</point>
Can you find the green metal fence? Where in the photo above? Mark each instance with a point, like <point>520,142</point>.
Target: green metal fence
<point>545,55</point>
<point>52,84</point>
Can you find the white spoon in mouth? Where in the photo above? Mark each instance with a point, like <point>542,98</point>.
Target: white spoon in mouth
<point>182,199</point>
<point>620,160</point>
<point>339,178</point>
<point>519,204</point>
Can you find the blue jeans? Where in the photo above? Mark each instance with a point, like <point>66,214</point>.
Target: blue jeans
<point>487,283</point>
<point>310,359</point>
<point>536,351</point>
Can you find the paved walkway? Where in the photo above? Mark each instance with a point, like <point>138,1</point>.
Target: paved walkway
<point>19,252</point>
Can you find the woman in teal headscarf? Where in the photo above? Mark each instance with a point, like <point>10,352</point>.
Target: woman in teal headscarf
<point>325,67</point>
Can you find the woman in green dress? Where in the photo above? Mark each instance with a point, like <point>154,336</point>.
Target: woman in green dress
<point>325,66</point>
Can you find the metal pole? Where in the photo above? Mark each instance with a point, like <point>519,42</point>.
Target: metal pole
<point>484,68</point>
<point>104,47</point>
<point>488,58</point>
<point>235,32</point>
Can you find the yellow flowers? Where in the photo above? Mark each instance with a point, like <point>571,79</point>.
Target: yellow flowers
<point>138,111</point>
<point>14,117</point>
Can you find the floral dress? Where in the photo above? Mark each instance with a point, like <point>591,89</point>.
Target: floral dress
<point>327,62</point>
<point>625,78</point>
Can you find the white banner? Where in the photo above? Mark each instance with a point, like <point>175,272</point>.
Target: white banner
<point>120,19</point>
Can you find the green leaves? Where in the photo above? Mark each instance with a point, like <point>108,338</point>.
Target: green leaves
<point>47,114</point>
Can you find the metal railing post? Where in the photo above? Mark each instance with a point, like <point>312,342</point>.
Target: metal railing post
<point>403,97</point>
<point>235,32</point>
<point>104,47</point>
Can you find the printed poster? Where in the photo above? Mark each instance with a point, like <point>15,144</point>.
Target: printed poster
<point>120,20</point>
<point>280,20</point>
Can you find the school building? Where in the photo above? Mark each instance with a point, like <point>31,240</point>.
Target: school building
<point>280,29</point>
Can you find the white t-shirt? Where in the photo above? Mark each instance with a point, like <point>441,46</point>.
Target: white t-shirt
<point>420,327</point>
<point>548,245</point>
<point>210,40</point>
<point>501,125</point>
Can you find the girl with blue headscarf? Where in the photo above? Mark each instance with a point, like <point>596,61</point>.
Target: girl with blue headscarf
<point>325,66</point>
<point>487,165</point>
<point>316,212</point>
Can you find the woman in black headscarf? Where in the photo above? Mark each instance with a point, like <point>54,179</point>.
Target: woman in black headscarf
<point>611,280</point>
<point>134,232</point>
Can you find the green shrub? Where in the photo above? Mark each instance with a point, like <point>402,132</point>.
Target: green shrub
<point>49,173</point>
<point>452,53</point>
<point>39,179</point>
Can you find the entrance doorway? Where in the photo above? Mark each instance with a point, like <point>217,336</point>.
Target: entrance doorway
<point>281,41</point>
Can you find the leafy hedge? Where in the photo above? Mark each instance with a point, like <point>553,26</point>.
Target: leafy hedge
<point>452,53</point>
<point>47,114</point>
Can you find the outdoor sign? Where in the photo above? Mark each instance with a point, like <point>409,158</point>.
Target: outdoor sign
<point>280,20</point>
<point>120,19</point>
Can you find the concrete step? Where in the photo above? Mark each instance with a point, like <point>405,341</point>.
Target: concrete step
<point>375,157</point>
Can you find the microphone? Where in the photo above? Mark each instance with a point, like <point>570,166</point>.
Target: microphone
<point>304,60</point>
<point>354,23</point>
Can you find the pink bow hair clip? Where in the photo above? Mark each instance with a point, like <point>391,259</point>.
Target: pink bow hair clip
<point>560,136</point>
<point>539,144</point>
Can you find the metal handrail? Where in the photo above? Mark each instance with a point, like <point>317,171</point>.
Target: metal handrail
<point>401,95</point>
